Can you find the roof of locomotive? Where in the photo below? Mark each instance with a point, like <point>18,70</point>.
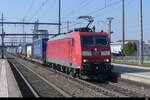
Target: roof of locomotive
<point>59,37</point>
<point>67,35</point>
<point>94,33</point>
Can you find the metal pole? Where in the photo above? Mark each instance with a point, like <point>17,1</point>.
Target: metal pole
<point>68,26</point>
<point>2,38</point>
<point>110,30</point>
<point>105,3</point>
<point>59,16</point>
<point>123,26</point>
<point>141,34</point>
<point>110,21</point>
<point>23,33</point>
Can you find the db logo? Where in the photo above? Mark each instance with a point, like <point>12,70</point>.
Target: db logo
<point>95,49</point>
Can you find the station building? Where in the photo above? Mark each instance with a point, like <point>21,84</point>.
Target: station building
<point>117,46</point>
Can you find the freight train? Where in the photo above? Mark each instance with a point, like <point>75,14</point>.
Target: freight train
<point>81,53</point>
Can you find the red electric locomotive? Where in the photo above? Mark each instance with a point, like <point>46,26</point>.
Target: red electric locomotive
<point>82,52</point>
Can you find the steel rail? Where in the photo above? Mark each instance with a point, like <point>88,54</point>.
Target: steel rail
<point>27,83</point>
<point>101,89</point>
<point>104,91</point>
<point>130,90</point>
<point>65,94</point>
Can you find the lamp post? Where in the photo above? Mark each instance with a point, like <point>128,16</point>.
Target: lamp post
<point>2,37</point>
<point>123,26</point>
<point>141,34</point>
<point>59,16</point>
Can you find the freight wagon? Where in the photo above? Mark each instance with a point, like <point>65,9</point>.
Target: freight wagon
<point>12,50</point>
<point>29,51</point>
<point>24,48</point>
<point>20,50</point>
<point>39,49</point>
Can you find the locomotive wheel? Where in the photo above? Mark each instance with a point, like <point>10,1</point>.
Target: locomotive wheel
<point>50,65</point>
<point>79,74</point>
<point>73,72</point>
<point>54,67</point>
<point>58,67</point>
<point>67,70</point>
<point>64,69</point>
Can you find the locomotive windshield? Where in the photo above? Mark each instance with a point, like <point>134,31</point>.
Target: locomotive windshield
<point>88,41</point>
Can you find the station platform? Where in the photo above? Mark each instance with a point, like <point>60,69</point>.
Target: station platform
<point>134,73</point>
<point>8,84</point>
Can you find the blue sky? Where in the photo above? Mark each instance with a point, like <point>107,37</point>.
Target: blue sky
<point>47,11</point>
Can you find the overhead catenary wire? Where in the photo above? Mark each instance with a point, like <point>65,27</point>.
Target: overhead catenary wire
<point>95,11</point>
<point>72,25</point>
<point>83,5</point>
<point>106,6</point>
<point>53,6</point>
<point>91,13</point>
<point>29,9</point>
<point>38,10</point>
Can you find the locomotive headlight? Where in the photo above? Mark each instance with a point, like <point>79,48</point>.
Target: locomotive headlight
<point>84,60</point>
<point>106,60</point>
<point>105,53</point>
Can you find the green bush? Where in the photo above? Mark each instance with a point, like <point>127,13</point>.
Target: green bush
<point>129,49</point>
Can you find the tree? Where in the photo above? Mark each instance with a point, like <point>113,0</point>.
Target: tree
<point>129,49</point>
<point>134,47</point>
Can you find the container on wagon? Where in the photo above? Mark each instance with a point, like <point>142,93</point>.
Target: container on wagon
<point>29,51</point>
<point>25,48</point>
<point>39,48</point>
<point>20,50</point>
<point>12,50</point>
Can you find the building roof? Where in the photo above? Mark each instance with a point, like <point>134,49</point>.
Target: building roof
<point>133,41</point>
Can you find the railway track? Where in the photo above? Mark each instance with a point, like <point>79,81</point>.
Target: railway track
<point>98,89</point>
<point>38,86</point>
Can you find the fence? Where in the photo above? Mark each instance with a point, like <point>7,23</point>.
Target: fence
<point>146,59</point>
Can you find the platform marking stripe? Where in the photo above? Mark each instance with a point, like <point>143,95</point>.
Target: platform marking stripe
<point>3,81</point>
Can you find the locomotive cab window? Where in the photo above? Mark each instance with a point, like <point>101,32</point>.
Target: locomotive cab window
<point>89,41</point>
<point>101,41</point>
<point>73,42</point>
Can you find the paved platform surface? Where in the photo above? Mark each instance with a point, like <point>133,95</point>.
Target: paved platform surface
<point>134,73</point>
<point>8,84</point>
